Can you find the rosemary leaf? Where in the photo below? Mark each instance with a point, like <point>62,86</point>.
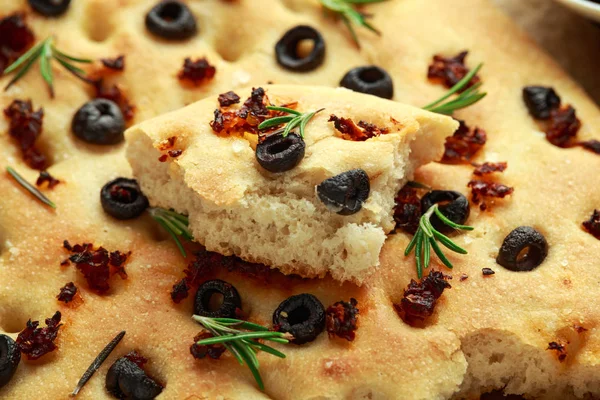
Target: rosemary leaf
<point>29,187</point>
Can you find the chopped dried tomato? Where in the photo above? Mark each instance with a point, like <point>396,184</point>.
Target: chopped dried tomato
<point>15,38</point>
<point>256,104</point>
<point>228,98</point>
<point>174,153</point>
<point>34,342</point>
<point>342,318</point>
<point>25,127</point>
<point>180,291</point>
<point>420,298</point>
<point>46,177</point>
<point>196,71</point>
<point>163,158</point>
<point>167,144</point>
<point>95,264</point>
<point>450,70</point>
<point>351,131</point>
<point>592,225</point>
<point>481,189</point>
<point>115,94</point>
<point>372,129</point>
<point>487,271</point>
<point>136,358</point>
<point>67,293</point>
<point>560,350</point>
<point>489,167</point>
<point>464,277</point>
<point>592,145</point>
<point>117,64</point>
<point>463,144</point>
<point>247,118</point>
<point>213,351</point>
<point>407,211</point>
<point>562,126</point>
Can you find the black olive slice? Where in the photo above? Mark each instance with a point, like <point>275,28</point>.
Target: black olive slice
<point>99,121</point>
<point>123,199</point>
<point>302,315</point>
<point>125,380</point>
<point>279,154</point>
<point>286,49</point>
<point>171,20</point>
<point>456,208</point>
<point>205,306</point>
<point>345,193</point>
<point>10,356</point>
<point>540,101</point>
<point>50,8</point>
<point>369,79</point>
<point>523,249</point>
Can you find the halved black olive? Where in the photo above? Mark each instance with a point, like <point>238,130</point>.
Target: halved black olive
<point>50,8</point>
<point>370,80</point>
<point>456,209</point>
<point>523,249</point>
<point>125,380</point>
<point>99,121</point>
<point>345,193</point>
<point>286,49</point>
<point>205,304</point>
<point>10,356</point>
<point>540,101</point>
<point>171,20</point>
<point>302,315</point>
<point>279,154</point>
<point>123,199</point>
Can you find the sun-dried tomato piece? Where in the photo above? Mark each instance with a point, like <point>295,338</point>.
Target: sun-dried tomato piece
<point>257,103</point>
<point>46,177</point>
<point>174,153</point>
<point>167,143</point>
<point>407,212</point>
<point>25,127</point>
<point>560,350</point>
<point>489,168</point>
<point>591,145</point>
<point>136,358</point>
<point>180,291</point>
<point>197,72</point>
<point>463,144</point>
<point>420,298</point>
<point>228,98</point>
<point>34,342</point>
<point>114,93</point>
<point>450,70</point>
<point>213,351</point>
<point>358,133</point>
<point>67,293</point>
<point>342,319</point>
<point>487,271</point>
<point>247,118</point>
<point>592,225</point>
<point>116,64</point>
<point>95,264</point>
<point>15,38</point>
<point>481,189</point>
<point>372,129</point>
<point>562,126</point>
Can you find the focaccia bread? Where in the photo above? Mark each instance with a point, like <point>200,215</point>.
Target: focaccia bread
<point>235,206</point>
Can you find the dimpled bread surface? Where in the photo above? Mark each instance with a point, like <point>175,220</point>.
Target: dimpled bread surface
<point>486,333</point>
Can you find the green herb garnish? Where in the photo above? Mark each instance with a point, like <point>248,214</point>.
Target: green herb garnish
<point>296,119</point>
<point>174,223</point>
<point>45,51</point>
<point>345,9</point>
<point>427,236</point>
<point>464,99</point>
<point>242,344</point>
<point>30,188</point>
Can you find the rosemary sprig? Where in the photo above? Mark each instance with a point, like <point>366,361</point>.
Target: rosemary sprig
<point>464,99</point>
<point>30,188</point>
<point>242,344</point>
<point>345,9</point>
<point>174,223</point>
<point>45,51</point>
<point>97,363</point>
<point>296,119</point>
<point>427,236</point>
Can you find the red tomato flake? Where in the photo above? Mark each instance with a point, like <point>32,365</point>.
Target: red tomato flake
<point>25,127</point>
<point>46,177</point>
<point>34,342</point>
<point>407,212</point>
<point>358,133</point>
<point>592,145</point>
<point>449,71</point>
<point>116,64</point>
<point>213,351</point>
<point>15,38</point>
<point>489,168</point>
<point>174,153</point>
<point>560,350</point>
<point>163,158</point>
<point>420,298</point>
<point>228,98</point>
<point>592,225</point>
<point>342,319</point>
<point>136,358</point>
<point>196,71</point>
<point>463,144</point>
<point>67,293</point>
<point>114,93</point>
<point>97,265</point>
<point>481,189</point>
<point>562,126</point>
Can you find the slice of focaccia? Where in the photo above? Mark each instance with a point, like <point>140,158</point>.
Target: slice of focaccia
<point>328,211</point>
